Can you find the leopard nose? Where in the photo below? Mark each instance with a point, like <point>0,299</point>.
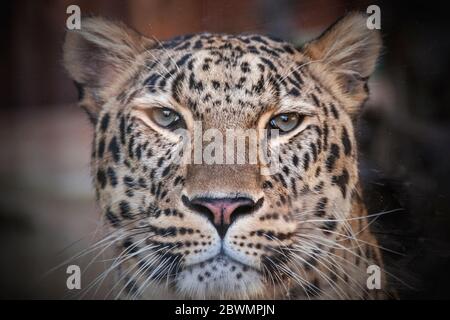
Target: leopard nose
<point>222,212</point>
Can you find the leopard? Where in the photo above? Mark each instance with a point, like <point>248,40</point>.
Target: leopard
<point>196,230</point>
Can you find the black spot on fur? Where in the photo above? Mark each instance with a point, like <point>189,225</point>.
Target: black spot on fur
<point>245,67</point>
<point>183,59</point>
<point>150,82</point>
<point>314,151</point>
<point>114,149</point>
<point>281,178</point>
<point>112,218</point>
<point>295,160</point>
<point>104,123</point>
<point>165,171</point>
<point>316,101</point>
<point>294,92</point>
<point>334,111</point>
<point>112,176</point>
<point>195,85</point>
<point>216,84</point>
<point>306,159</point>
<point>342,182</point>
<point>325,137</point>
<point>101,148</point>
<point>268,63</point>
<point>288,49</point>
<point>101,178</point>
<point>125,210</point>
<point>177,180</point>
<point>320,207</point>
<point>346,142</point>
<point>334,155</point>
<point>176,86</point>
<point>329,225</point>
<point>122,129</point>
<point>128,181</point>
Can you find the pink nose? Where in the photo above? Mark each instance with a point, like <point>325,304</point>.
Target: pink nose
<point>222,209</point>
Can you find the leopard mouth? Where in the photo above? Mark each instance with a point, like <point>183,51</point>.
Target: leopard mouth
<point>220,277</point>
<point>223,260</point>
<point>221,253</point>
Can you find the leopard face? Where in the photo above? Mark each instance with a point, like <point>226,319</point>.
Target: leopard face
<point>215,230</point>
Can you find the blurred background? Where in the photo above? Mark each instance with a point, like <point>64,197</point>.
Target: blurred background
<point>47,209</point>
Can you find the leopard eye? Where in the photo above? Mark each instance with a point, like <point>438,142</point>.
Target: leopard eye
<point>166,118</point>
<point>285,122</point>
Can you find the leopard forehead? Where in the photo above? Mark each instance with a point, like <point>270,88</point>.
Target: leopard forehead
<point>222,78</point>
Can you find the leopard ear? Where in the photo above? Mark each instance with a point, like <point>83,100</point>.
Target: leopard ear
<point>348,51</point>
<point>97,54</point>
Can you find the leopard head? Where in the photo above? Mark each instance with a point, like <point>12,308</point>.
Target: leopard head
<point>201,226</point>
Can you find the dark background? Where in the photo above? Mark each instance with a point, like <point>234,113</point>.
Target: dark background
<point>46,199</point>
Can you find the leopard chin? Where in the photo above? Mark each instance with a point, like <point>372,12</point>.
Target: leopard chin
<point>220,278</point>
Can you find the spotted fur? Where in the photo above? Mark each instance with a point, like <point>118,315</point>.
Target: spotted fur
<point>309,238</point>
